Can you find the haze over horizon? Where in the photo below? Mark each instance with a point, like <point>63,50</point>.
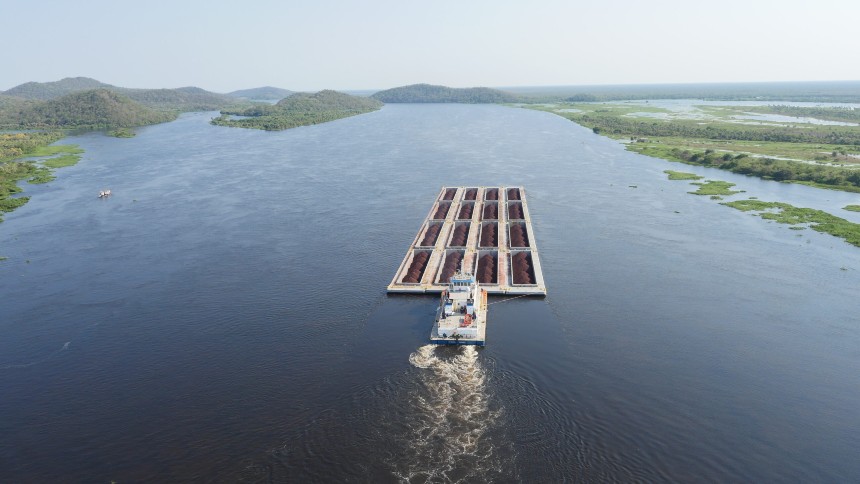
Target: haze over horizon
<point>351,46</point>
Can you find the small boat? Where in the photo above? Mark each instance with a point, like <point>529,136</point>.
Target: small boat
<point>104,193</point>
<point>461,317</point>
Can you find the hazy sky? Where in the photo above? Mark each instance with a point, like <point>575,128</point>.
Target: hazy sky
<point>369,44</point>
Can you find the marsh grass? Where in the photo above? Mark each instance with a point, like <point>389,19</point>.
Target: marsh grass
<point>41,175</point>
<point>21,167</point>
<point>714,188</point>
<point>121,133</point>
<point>817,220</point>
<point>680,175</point>
<point>62,161</point>
<point>56,150</point>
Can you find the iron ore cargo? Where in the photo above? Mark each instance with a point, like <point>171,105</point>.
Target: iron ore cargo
<point>486,231</point>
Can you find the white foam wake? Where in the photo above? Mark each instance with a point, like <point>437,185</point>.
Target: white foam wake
<point>448,418</point>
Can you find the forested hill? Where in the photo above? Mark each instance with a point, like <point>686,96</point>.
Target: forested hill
<point>53,90</point>
<point>325,101</point>
<point>266,93</point>
<point>181,99</point>
<point>96,109</point>
<point>426,93</point>
<point>300,109</point>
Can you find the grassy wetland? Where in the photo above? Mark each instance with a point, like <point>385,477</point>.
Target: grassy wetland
<point>27,156</point>
<point>799,218</point>
<point>816,146</point>
<point>813,146</point>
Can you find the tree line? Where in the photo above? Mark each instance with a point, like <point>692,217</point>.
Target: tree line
<point>779,170</point>
<point>613,124</point>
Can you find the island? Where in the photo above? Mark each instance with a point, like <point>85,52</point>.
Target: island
<point>300,109</point>
<point>265,93</point>
<point>428,93</point>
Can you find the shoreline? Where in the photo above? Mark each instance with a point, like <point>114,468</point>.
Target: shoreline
<point>32,157</point>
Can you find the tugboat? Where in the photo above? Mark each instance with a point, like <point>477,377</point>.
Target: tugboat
<point>461,318</point>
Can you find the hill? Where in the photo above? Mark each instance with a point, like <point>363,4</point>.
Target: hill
<point>96,109</point>
<point>12,101</point>
<point>300,109</point>
<point>182,99</point>
<point>266,93</point>
<point>427,93</point>
<point>53,90</point>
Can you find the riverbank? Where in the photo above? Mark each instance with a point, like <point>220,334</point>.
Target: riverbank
<point>28,156</point>
<point>811,151</point>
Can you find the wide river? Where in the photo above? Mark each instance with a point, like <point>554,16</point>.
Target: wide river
<point>223,317</point>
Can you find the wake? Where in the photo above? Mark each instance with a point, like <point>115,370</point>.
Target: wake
<point>40,360</point>
<point>448,419</point>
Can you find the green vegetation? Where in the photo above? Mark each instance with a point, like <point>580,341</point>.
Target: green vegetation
<point>99,109</point>
<point>14,146</point>
<point>714,188</point>
<point>815,219</point>
<point>817,155</point>
<point>182,99</point>
<point>10,173</point>
<point>617,121</point>
<point>299,110</point>
<point>34,143</point>
<point>41,175</point>
<point>821,176</point>
<point>56,150</point>
<point>52,90</point>
<point>834,113</point>
<point>680,175</point>
<point>426,93</point>
<point>817,91</point>
<point>267,93</point>
<point>62,161</point>
<point>852,208</point>
<point>121,133</point>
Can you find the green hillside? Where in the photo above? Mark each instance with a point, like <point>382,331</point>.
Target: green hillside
<point>267,93</point>
<point>183,99</point>
<point>97,109</point>
<point>300,109</point>
<point>427,93</point>
<point>52,90</point>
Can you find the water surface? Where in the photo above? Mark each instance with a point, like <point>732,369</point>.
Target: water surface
<point>223,316</point>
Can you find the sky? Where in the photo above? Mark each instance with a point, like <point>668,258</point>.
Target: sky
<point>350,45</point>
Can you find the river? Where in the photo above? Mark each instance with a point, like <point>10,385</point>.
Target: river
<point>223,316</point>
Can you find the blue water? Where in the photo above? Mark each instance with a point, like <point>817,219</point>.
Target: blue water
<point>223,316</point>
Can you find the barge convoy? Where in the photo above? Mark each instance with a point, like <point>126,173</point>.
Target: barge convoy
<point>474,241</point>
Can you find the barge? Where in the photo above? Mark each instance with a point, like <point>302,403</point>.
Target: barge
<point>485,231</point>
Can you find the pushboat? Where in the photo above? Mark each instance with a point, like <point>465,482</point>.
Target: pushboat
<point>461,318</point>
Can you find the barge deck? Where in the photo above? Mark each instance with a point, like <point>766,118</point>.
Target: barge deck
<point>486,231</point>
